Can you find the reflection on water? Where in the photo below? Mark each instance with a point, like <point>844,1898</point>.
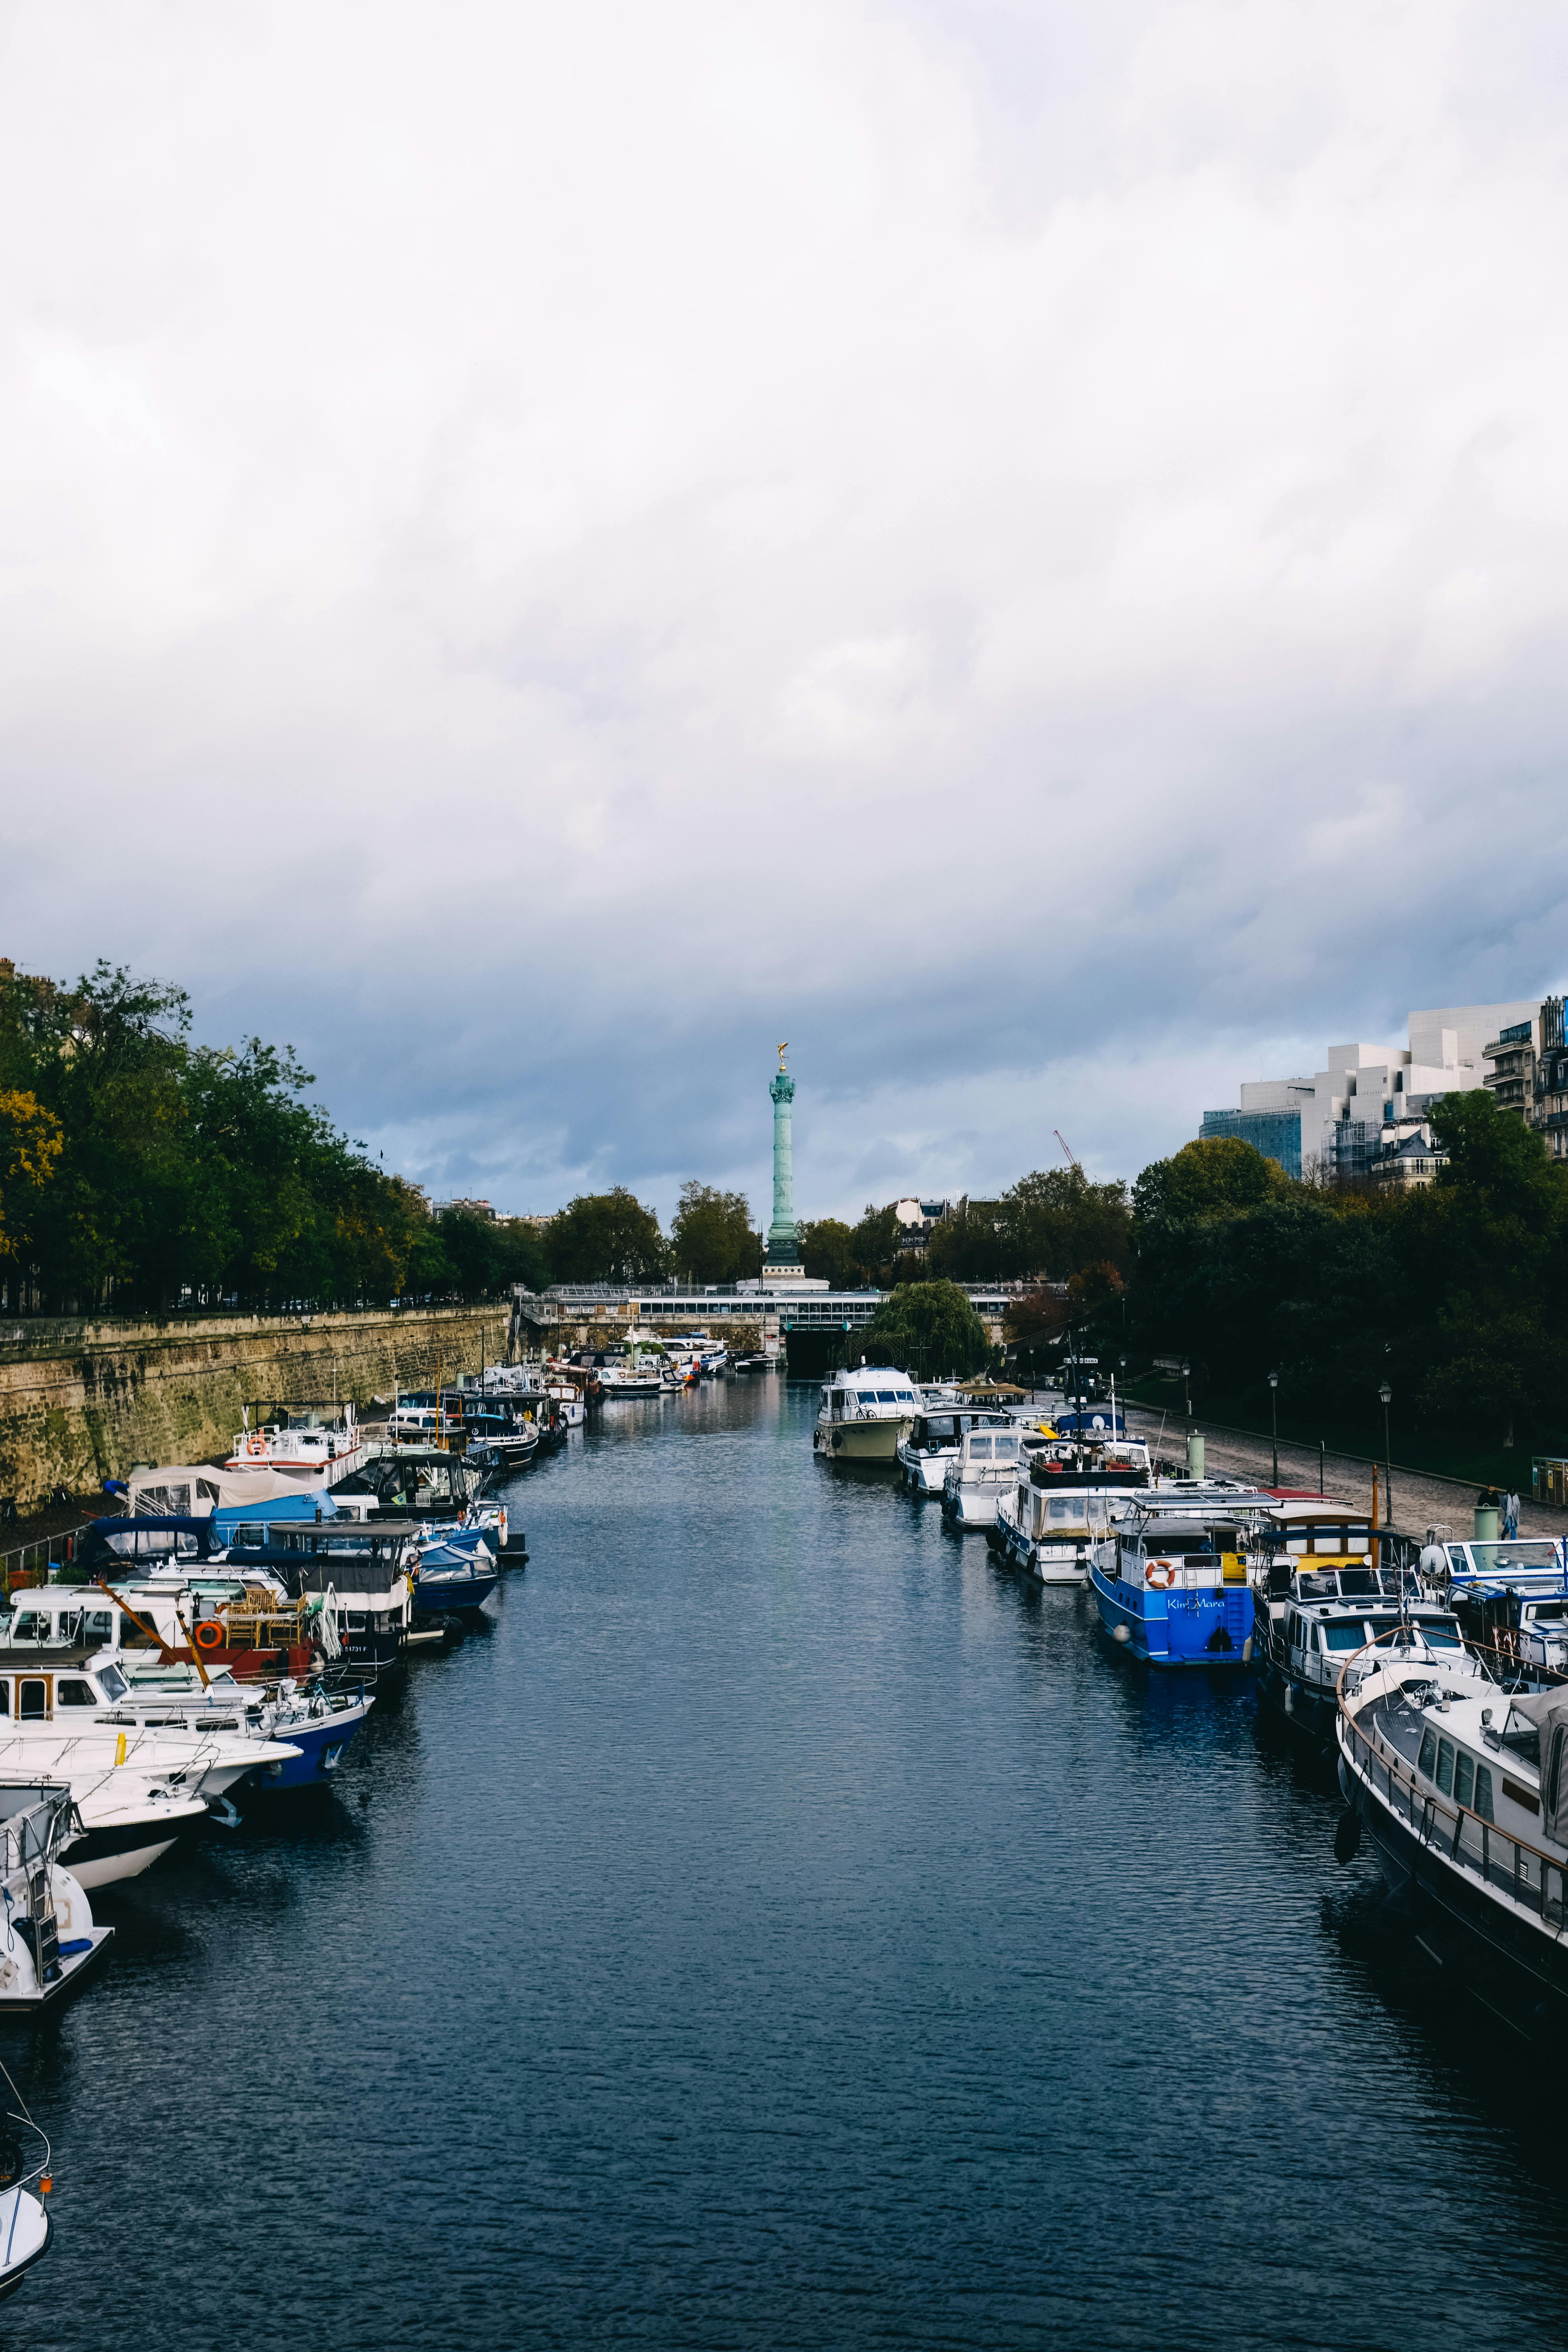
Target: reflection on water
<point>786,1928</point>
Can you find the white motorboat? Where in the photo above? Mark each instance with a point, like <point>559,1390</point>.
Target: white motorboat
<point>984,1468</point>
<point>864,1415</point>
<point>931,1440</point>
<point>53,1940</point>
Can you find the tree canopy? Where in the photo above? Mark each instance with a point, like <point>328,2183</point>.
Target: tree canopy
<point>711,1238</point>
<point>139,1170</point>
<point>928,1327</point>
<point>607,1237</point>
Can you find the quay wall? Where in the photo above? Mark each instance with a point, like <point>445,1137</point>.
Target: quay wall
<point>82,1400</point>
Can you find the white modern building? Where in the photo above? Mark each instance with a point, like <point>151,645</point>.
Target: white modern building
<point>1371,1101</point>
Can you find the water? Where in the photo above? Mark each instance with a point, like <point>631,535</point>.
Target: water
<point>782,1930</point>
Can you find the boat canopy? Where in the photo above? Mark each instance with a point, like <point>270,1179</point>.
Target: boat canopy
<point>186,1490</point>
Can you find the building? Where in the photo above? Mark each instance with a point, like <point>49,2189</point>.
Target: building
<point>480,1208</point>
<point>1269,1119</point>
<point>1371,1100</point>
<point>918,1220</point>
<point>1547,1112</point>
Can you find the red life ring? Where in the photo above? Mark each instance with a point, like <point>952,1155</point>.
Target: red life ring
<point>209,1634</point>
<point>1160,1573</point>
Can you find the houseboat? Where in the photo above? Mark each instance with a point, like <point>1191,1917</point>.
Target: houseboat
<point>1062,1500</point>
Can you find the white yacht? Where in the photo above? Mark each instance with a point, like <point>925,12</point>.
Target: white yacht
<point>52,1941</point>
<point>864,1415</point>
<point>983,1469</point>
<point>310,1444</point>
<point>931,1440</point>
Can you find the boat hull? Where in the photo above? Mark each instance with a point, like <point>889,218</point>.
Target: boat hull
<point>26,2233</point>
<point>858,1441</point>
<point>1515,1965</point>
<point>322,1745</point>
<point>1206,1628</point>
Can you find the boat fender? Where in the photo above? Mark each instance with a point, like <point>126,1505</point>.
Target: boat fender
<point>1120,1633</point>
<point>1347,1835</point>
<point>1246,1650</point>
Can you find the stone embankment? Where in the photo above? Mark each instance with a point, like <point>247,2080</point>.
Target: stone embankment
<point>82,1400</point>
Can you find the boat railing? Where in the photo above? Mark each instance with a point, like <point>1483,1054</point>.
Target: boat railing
<point>1537,1881</point>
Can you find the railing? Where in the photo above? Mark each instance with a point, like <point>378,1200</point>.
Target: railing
<point>30,1563</point>
<point>1497,1857</point>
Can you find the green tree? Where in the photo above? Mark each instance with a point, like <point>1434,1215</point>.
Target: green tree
<point>1055,1223</point>
<point>711,1238</point>
<point>874,1243</point>
<point>928,1327</point>
<point>1218,1176</point>
<point>827,1253</point>
<point>607,1237</point>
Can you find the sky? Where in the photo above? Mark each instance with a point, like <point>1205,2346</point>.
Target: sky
<point>1018,547</point>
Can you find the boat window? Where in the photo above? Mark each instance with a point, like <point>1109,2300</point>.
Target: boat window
<point>1442,1632</point>
<point>1062,1506</point>
<point>886,1396</point>
<point>97,1625</point>
<point>1427,1761</point>
<point>1522,1738</point>
<point>113,1681</point>
<point>31,1625</point>
<point>33,1700</point>
<point>980,1449</point>
<point>1446,1767</point>
<point>1006,1448</point>
<point>1355,1581</point>
<point>72,1691</point>
<point>5,1697</point>
<point>1321,1585</point>
<point>1347,1636</point>
<point>1463,1778</point>
<point>1482,1804</point>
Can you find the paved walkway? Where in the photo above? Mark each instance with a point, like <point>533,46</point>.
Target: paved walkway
<point>1420,1500</point>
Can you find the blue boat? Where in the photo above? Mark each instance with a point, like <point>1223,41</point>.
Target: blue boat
<point>453,1576</point>
<point>1175,1591</point>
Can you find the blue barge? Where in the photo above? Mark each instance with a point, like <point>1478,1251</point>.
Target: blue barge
<point>1174,1591</point>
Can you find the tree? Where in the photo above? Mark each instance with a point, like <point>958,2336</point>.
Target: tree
<point>1217,1176</point>
<point>1055,1223</point>
<point>931,1328</point>
<point>874,1243</point>
<point>30,1145</point>
<point>607,1237</point>
<point>711,1238</point>
<point>828,1253</point>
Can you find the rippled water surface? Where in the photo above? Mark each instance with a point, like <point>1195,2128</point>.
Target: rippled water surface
<point>782,1927</point>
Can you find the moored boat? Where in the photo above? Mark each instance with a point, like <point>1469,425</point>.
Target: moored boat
<point>52,1942</point>
<point>1174,1587</point>
<point>1062,1500</point>
<point>984,1468</point>
<point>863,1413</point>
<point>931,1439</point>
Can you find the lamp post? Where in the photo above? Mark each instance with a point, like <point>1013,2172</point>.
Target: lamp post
<point>1187,1387</point>
<point>1274,1410</point>
<point>1386,1393</point>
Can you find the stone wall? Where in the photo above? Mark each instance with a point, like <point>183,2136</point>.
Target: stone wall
<point>82,1400</point>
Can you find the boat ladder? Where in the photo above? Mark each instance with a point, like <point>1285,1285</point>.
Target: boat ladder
<point>41,1919</point>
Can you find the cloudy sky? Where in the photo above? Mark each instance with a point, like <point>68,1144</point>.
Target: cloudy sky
<point>1018,546</point>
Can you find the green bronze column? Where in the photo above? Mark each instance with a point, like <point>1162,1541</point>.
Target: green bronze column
<point>782,1245</point>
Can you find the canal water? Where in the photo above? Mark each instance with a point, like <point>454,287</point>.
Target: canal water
<point>782,1927</point>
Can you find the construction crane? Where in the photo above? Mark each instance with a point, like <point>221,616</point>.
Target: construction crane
<point>1071,1154</point>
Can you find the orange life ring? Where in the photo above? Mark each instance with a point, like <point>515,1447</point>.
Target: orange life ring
<point>256,1445</point>
<point>1160,1574</point>
<point>209,1634</point>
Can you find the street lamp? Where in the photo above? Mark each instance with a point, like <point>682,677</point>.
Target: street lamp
<point>1274,1409</point>
<point>1386,1393</point>
<point>1187,1387</point>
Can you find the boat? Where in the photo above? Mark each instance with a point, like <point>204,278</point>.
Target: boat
<point>27,2229</point>
<point>356,1578</point>
<point>1322,1597</point>
<point>1462,1787</point>
<point>451,1575</point>
<point>411,1482</point>
<point>984,1468</point>
<point>931,1441</point>
<point>307,1441</point>
<point>317,1719</point>
<point>1063,1498</point>
<point>52,1943</point>
<point>863,1415</point>
<point>1174,1586</point>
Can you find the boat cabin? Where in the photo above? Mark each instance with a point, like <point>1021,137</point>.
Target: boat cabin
<point>868,1393</point>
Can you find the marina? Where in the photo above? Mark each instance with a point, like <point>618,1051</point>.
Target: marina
<point>851,1687</point>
